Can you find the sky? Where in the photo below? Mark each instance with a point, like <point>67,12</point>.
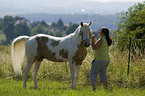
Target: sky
<point>67,6</point>
<point>81,0</point>
<point>117,0</point>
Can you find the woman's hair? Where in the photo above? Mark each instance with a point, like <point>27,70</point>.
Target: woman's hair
<point>105,31</point>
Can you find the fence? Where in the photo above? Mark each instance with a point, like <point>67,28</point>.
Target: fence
<point>138,49</point>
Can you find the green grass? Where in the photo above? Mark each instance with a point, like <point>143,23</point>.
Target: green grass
<point>54,80</point>
<point>10,87</point>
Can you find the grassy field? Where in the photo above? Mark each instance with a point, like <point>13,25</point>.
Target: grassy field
<point>54,79</point>
<point>10,87</point>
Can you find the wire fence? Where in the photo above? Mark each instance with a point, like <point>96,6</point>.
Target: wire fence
<point>135,48</point>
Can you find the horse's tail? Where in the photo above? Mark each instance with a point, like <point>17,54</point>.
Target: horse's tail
<point>18,53</point>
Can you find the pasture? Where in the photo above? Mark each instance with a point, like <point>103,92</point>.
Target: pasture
<point>54,78</point>
<point>10,87</point>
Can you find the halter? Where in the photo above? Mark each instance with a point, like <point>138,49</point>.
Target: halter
<point>82,37</point>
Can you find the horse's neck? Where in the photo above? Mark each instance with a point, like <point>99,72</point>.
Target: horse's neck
<point>77,36</point>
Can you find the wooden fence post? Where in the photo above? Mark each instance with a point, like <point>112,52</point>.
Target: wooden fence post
<point>129,55</point>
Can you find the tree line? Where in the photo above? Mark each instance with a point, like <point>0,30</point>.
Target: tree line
<point>13,27</point>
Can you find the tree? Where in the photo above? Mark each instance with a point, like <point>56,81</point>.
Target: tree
<point>44,23</point>
<point>50,32</point>
<point>1,24</point>
<point>34,24</point>
<point>58,33</point>
<point>60,24</point>
<point>39,29</point>
<point>8,27</point>
<point>71,28</point>
<point>132,24</point>
<point>54,24</point>
<point>21,29</point>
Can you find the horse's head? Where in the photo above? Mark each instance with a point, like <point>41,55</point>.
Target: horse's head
<point>85,33</point>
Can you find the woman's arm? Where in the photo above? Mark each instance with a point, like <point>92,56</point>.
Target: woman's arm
<point>96,44</point>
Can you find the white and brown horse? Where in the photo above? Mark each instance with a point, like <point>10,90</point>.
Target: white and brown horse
<point>71,48</point>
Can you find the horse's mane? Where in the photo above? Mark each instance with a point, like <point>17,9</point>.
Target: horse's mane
<point>76,33</point>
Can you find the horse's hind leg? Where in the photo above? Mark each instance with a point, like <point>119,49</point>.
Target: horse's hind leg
<point>34,72</point>
<point>25,73</point>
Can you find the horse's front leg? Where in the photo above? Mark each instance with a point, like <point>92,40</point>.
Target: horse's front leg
<point>74,69</point>
<point>71,65</point>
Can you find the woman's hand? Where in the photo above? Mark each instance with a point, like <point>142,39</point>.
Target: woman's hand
<point>96,44</point>
<point>93,36</point>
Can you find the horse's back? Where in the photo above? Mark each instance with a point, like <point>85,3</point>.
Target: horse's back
<point>45,46</point>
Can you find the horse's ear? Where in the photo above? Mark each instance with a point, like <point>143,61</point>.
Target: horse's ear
<point>90,23</point>
<point>82,24</point>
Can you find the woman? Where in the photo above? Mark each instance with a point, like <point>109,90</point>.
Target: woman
<point>101,57</point>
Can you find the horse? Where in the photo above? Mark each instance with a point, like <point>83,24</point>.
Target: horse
<point>71,48</point>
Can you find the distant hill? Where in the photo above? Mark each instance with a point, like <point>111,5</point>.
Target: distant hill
<point>97,20</point>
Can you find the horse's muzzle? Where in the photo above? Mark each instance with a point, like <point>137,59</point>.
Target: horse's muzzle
<point>86,43</point>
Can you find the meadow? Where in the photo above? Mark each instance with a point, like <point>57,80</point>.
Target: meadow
<point>54,78</point>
